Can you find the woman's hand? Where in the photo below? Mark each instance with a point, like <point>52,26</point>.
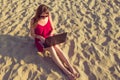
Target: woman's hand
<point>42,40</point>
<point>51,34</point>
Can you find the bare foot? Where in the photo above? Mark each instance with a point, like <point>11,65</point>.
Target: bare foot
<point>77,75</point>
<point>75,72</point>
<point>71,76</point>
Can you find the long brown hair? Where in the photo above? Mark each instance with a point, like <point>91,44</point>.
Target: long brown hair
<point>42,9</point>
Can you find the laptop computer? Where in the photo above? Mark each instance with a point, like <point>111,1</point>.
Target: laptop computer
<point>55,39</point>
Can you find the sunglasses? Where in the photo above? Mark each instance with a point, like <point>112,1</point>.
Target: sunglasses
<point>44,16</point>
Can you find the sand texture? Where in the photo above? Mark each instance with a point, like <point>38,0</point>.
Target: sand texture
<point>92,46</point>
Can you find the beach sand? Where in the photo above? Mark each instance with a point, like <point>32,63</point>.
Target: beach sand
<point>92,46</point>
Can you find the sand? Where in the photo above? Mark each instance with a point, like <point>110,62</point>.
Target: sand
<point>92,46</point>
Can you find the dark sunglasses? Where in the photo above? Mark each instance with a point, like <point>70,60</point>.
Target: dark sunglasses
<point>44,16</point>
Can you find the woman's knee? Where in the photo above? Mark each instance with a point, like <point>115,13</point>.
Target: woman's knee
<point>50,49</point>
<point>56,46</point>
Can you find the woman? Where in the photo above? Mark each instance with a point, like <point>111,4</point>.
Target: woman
<point>41,28</point>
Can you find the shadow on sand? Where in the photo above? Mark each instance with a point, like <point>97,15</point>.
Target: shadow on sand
<point>23,49</point>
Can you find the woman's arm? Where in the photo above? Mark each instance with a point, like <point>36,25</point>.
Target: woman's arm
<point>32,32</point>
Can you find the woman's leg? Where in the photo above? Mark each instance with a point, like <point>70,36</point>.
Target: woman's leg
<point>65,60</point>
<point>56,59</point>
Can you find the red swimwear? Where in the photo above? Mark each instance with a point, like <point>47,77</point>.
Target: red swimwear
<point>44,31</point>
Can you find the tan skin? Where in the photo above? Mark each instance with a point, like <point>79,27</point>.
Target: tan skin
<point>57,54</point>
